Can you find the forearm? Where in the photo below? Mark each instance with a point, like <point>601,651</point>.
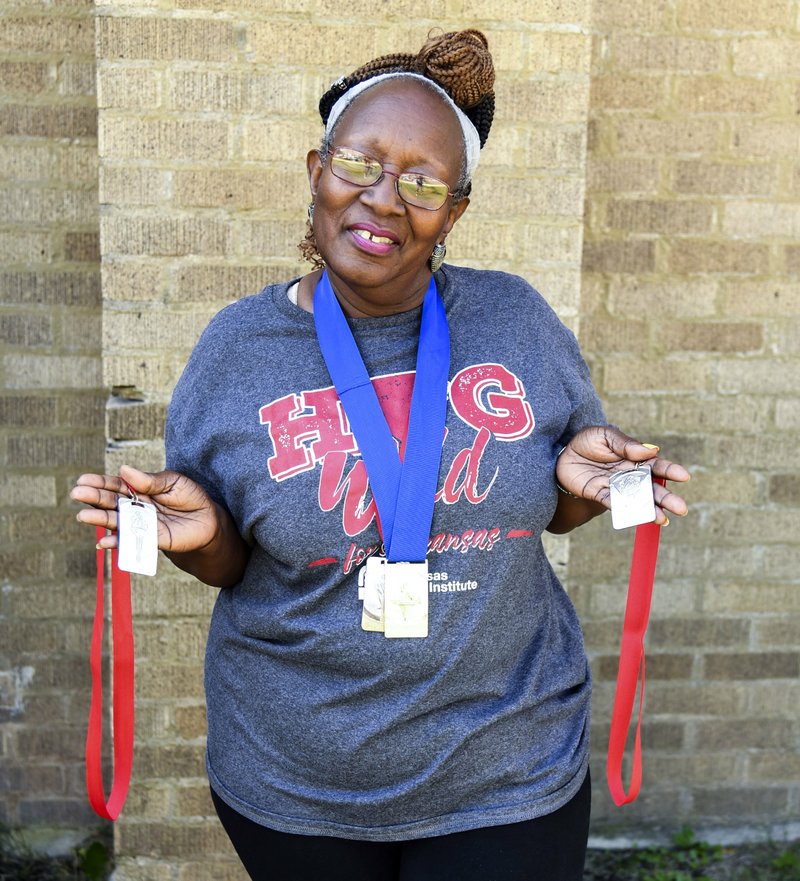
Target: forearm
<point>220,563</point>
<point>572,512</point>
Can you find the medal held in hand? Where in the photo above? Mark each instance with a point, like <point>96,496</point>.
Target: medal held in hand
<point>632,501</point>
<point>137,531</point>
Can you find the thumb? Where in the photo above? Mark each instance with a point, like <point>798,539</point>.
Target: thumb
<point>145,482</point>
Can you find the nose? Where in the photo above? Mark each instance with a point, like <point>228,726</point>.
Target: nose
<point>382,196</point>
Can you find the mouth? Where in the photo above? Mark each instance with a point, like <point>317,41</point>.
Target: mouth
<point>372,239</point>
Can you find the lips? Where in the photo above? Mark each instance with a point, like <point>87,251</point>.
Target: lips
<point>373,239</point>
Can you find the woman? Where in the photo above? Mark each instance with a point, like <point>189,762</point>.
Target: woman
<point>458,749</point>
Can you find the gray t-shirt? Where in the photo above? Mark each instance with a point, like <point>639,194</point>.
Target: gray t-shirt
<point>315,725</point>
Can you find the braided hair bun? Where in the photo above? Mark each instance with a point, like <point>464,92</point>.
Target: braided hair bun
<point>459,62</point>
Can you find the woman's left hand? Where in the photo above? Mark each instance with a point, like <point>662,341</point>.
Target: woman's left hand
<point>595,453</point>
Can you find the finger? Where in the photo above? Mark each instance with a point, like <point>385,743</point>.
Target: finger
<point>670,501</point>
<point>669,470</point>
<point>98,517</point>
<point>107,482</point>
<point>97,497</point>
<point>145,482</point>
<point>107,542</point>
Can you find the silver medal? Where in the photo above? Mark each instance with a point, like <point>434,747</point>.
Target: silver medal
<point>632,501</point>
<point>137,536</point>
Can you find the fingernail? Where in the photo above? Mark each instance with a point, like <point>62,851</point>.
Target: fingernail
<point>652,446</point>
<point>666,522</point>
<point>98,547</point>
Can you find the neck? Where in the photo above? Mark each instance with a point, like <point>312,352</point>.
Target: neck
<point>357,302</point>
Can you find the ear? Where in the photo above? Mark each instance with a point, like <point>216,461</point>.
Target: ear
<point>454,214</point>
<point>314,169</point>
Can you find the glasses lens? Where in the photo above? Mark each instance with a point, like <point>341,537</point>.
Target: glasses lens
<point>422,191</point>
<point>355,167</point>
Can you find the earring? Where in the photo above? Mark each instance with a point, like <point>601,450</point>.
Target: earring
<point>437,257</point>
<point>311,213</point>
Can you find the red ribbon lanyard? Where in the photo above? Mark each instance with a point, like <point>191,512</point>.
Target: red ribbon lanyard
<point>123,691</point>
<point>631,663</point>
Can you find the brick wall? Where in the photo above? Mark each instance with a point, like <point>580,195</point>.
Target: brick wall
<point>674,238</point>
<point>691,314</point>
<point>51,407</point>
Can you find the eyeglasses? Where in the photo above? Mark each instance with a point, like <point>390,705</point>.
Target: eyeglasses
<point>414,188</point>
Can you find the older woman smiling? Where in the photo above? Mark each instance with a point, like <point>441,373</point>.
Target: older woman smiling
<point>364,460</point>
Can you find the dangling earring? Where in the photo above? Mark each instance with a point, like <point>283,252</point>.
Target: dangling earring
<point>437,257</point>
<point>311,213</point>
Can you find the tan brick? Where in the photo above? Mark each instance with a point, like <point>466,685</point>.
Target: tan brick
<point>165,39</point>
<point>543,100</point>
<point>720,95</point>
<point>787,413</point>
<point>775,632</point>
<point>619,256</point>
<point>751,598</point>
<point>717,336</point>
<point>240,189</point>
<point>660,666</point>
<point>762,56</point>
<point>213,90</point>
<point>242,5</point>
<point>287,141</point>
<point>546,197</point>
<point>165,139</point>
<point>163,681</point>
<point>678,632</point>
<point>758,15</point>
<point>26,330</point>
<point>753,377</point>
<point>153,330</point>
<point>610,17</point>
<point>792,253</point>
<point>756,526</point>
<point>20,490</point>
<point>27,411</point>
<point>727,806</point>
<point>780,562</point>
<point>779,766</point>
<point>631,337</point>
<point>136,421</point>
<point>755,220</point>
<point>204,283</point>
<point>269,237</point>
<point>38,205</point>
<point>146,373</point>
<point>126,279</point>
<point>171,839</point>
<point>546,12</point>
<point>770,299</point>
<point>48,122</point>
<point>692,699</point>
<point>558,53</point>
<point>18,246</point>
<point>622,175</point>
<point>23,78</point>
<point>676,218</point>
<point>138,868</point>
<point>48,34</point>
<point>637,52</point>
<point>758,138</point>
<point>692,256</point>
<point>768,703</point>
<point>717,178</point>
<point>771,450</point>
<point>283,42</point>
<point>165,236</point>
<point>633,375</point>
<point>663,299</point>
<point>217,870</point>
<point>34,371</point>
<point>82,247</point>
<point>77,78</point>
<point>129,87</point>
<point>552,147</point>
<point>646,135</point>
<point>626,92</point>
<point>694,769</point>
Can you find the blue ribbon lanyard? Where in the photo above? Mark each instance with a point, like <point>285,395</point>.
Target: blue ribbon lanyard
<point>404,491</point>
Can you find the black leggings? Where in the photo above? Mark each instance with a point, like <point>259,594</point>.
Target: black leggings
<point>549,848</point>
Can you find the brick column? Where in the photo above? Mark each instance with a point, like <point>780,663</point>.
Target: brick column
<point>207,110</point>
<point>690,313</point>
<point>51,406</point>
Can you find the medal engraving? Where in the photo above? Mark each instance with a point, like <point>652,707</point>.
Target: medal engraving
<point>406,600</point>
<point>631,498</point>
<point>137,531</point>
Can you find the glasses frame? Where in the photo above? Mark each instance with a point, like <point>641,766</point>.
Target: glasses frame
<point>394,174</point>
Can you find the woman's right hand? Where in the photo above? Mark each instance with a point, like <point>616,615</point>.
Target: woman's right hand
<point>196,533</point>
<point>187,517</point>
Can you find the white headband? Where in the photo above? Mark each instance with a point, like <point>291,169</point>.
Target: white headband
<point>472,144</point>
